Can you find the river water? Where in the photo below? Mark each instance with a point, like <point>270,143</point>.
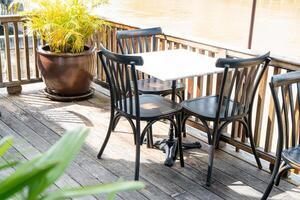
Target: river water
<point>277,24</point>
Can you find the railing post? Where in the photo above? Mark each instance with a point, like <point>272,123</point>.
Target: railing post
<point>251,24</point>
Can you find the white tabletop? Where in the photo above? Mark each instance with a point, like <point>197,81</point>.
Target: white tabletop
<point>177,64</point>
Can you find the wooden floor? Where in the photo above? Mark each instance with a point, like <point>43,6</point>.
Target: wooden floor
<point>37,123</point>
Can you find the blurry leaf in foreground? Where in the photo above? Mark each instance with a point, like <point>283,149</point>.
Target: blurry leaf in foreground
<point>32,178</point>
<point>22,177</point>
<point>5,144</point>
<point>7,165</point>
<point>110,188</point>
<point>63,152</point>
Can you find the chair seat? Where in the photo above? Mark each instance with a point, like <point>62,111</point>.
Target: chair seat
<point>206,108</point>
<point>292,156</point>
<point>156,86</point>
<point>154,106</point>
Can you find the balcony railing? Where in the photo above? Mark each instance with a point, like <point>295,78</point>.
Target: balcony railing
<point>18,66</point>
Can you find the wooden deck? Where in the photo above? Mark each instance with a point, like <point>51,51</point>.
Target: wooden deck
<point>37,123</point>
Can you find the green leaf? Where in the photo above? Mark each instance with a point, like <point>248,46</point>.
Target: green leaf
<point>63,152</point>
<point>23,176</point>
<point>66,26</point>
<point>5,144</point>
<point>7,165</point>
<point>111,188</point>
<point>111,196</point>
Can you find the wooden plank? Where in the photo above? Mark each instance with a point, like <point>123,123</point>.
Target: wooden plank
<point>85,160</point>
<point>29,152</point>
<point>29,102</point>
<point>10,18</point>
<point>149,176</point>
<point>108,39</point>
<point>260,108</point>
<point>219,82</point>
<point>209,85</point>
<point>297,119</point>
<point>202,164</point>
<point>23,82</point>
<point>104,36</point>
<point>190,88</point>
<point>17,50</point>
<point>252,177</point>
<point>80,170</point>
<point>34,47</point>
<point>270,122</point>
<point>113,40</point>
<point>250,169</point>
<point>229,173</point>
<point>165,173</point>
<point>7,52</point>
<point>32,145</point>
<point>199,90</point>
<point>26,52</point>
<point>156,177</point>
<point>1,71</point>
<point>236,143</point>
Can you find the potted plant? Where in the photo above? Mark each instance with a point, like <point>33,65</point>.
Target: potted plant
<point>66,62</point>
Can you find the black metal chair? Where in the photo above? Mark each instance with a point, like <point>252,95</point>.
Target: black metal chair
<point>145,40</point>
<point>234,103</point>
<point>127,102</point>
<point>285,89</point>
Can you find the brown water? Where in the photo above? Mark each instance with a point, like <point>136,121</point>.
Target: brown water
<point>277,25</point>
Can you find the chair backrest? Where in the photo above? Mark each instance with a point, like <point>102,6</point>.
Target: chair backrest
<point>122,80</point>
<point>285,90</point>
<point>139,40</point>
<point>240,81</point>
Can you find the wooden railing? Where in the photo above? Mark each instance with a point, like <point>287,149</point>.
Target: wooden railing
<point>18,55</point>
<point>24,70</point>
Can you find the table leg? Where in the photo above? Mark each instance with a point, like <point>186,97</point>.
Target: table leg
<point>171,143</point>
<point>169,146</point>
<point>171,131</point>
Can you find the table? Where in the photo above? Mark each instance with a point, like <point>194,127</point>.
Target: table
<point>168,65</point>
<point>171,65</point>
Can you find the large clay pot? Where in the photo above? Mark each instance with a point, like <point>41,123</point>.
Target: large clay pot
<point>66,74</point>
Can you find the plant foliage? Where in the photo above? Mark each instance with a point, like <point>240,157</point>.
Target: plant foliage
<point>32,178</point>
<point>9,7</point>
<point>67,25</point>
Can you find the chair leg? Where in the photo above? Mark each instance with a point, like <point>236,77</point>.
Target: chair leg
<point>178,135</point>
<point>183,130</point>
<point>248,126</point>
<point>115,122</point>
<point>211,152</point>
<point>112,117</point>
<point>218,139</point>
<point>132,127</point>
<point>150,137</point>
<point>283,168</point>
<point>137,151</point>
<point>268,190</point>
<point>183,127</point>
<point>271,183</point>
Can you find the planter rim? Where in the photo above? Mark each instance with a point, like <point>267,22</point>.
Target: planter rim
<point>42,51</point>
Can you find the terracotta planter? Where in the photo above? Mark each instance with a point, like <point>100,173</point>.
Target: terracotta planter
<point>66,74</point>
